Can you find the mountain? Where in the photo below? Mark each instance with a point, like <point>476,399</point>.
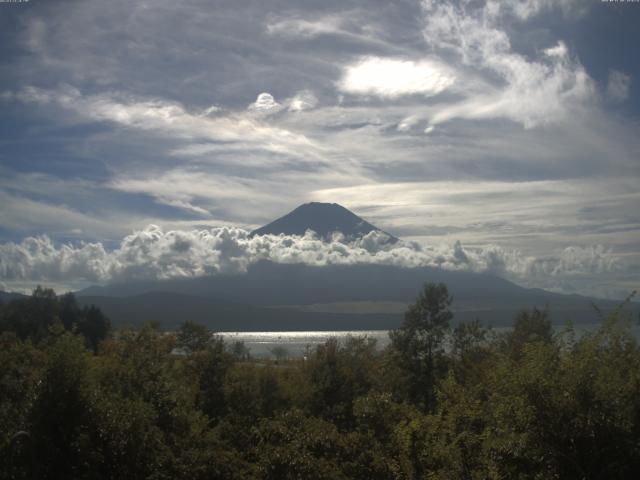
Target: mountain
<point>322,218</point>
<point>272,296</point>
<point>6,297</point>
<point>170,309</point>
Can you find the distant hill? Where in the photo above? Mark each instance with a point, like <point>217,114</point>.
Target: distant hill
<point>171,309</point>
<point>6,297</point>
<point>322,218</point>
<point>303,297</point>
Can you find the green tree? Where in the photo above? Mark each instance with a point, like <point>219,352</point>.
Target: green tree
<point>61,412</point>
<point>280,352</point>
<point>193,337</point>
<point>209,368</point>
<point>469,349</point>
<point>295,446</point>
<point>338,375</point>
<point>417,347</point>
<point>529,326</point>
<point>33,316</point>
<point>240,351</point>
<point>94,326</point>
<point>70,312</point>
<point>21,368</point>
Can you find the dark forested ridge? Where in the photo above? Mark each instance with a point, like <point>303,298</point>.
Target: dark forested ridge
<point>237,302</point>
<point>6,297</point>
<point>83,401</point>
<point>169,310</point>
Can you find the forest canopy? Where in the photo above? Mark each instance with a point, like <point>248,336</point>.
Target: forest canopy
<point>79,400</point>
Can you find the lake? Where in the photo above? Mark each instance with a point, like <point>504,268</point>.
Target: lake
<point>296,344</point>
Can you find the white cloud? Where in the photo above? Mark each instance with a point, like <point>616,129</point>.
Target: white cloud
<point>391,77</point>
<point>210,110</point>
<point>531,92</point>
<point>525,9</point>
<point>535,217</point>
<point>185,203</point>
<point>581,260</point>
<point>618,86</point>
<point>303,100</point>
<point>558,51</point>
<point>153,253</point>
<point>298,27</point>
<point>37,258</point>
<point>165,117</point>
<point>22,214</point>
<point>407,123</point>
<point>265,103</point>
<point>180,187</point>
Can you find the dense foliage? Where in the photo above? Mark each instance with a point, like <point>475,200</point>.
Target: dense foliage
<point>77,402</point>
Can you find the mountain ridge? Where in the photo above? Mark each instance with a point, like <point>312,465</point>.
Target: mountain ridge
<point>271,290</point>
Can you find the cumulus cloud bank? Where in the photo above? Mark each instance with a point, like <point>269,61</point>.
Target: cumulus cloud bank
<point>153,253</point>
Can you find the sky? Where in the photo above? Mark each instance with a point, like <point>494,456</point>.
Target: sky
<point>144,139</point>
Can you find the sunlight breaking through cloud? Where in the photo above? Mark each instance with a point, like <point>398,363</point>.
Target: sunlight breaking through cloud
<point>389,77</point>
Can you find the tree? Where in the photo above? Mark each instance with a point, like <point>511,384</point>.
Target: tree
<point>240,351</point>
<point>417,347</point>
<point>70,313</point>
<point>209,368</point>
<point>37,316</point>
<point>193,337</point>
<point>469,348</point>
<point>529,327</point>
<point>338,375</point>
<point>61,412</point>
<point>33,316</point>
<point>279,352</point>
<point>21,366</point>
<point>94,326</point>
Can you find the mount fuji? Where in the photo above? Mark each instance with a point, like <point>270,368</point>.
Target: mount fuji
<point>324,219</point>
<point>279,296</point>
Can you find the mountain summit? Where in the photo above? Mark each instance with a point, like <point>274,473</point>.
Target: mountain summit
<point>322,218</point>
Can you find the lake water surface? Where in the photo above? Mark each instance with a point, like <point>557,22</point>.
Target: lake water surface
<point>296,344</point>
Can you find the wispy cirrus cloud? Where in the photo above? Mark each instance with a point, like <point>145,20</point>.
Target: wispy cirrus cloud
<point>300,27</point>
<point>170,117</point>
<point>530,92</point>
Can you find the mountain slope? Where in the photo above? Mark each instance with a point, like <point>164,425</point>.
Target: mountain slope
<point>493,300</point>
<point>169,310</point>
<point>6,297</point>
<point>322,218</point>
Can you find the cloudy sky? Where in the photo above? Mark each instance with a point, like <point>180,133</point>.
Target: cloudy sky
<point>142,139</point>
